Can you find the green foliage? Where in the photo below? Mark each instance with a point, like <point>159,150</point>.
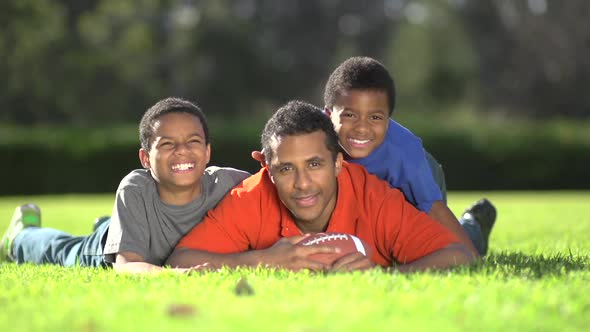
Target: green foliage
<point>536,278</point>
<point>94,62</point>
<point>476,152</point>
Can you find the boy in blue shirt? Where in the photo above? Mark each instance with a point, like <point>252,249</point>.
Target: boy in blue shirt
<point>360,98</point>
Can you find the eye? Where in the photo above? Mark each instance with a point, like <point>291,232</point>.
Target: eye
<point>166,145</point>
<point>347,114</point>
<point>194,141</point>
<point>285,169</point>
<point>377,117</point>
<point>315,164</point>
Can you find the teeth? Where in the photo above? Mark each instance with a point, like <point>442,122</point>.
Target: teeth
<point>360,141</point>
<point>183,166</point>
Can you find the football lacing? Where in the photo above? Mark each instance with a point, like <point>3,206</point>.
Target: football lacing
<point>326,238</point>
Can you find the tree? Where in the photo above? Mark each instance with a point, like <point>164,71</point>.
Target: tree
<point>533,55</point>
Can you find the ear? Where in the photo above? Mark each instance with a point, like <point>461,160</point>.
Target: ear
<point>338,163</point>
<point>259,157</point>
<point>144,158</point>
<point>208,154</point>
<point>327,111</point>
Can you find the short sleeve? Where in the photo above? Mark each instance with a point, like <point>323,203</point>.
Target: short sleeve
<point>129,229</point>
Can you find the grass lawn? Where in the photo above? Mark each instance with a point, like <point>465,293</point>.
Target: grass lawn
<point>536,278</point>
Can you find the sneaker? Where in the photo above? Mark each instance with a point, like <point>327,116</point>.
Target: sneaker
<point>484,213</point>
<point>99,221</point>
<point>26,215</point>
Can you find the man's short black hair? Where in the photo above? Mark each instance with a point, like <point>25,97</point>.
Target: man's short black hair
<point>163,107</point>
<point>297,118</point>
<point>359,73</point>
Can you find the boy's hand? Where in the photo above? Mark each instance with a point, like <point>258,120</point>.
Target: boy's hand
<point>258,156</point>
<point>352,262</point>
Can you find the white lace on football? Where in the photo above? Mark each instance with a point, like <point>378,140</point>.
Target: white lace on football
<point>326,238</point>
<point>359,245</point>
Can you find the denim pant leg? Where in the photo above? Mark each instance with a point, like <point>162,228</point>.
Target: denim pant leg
<point>473,230</point>
<point>470,226</point>
<point>40,245</point>
<point>438,174</point>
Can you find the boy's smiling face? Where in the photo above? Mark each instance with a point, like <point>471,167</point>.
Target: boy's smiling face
<point>178,156</point>
<point>361,119</point>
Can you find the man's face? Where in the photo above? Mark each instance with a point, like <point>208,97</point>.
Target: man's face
<point>178,155</point>
<point>304,173</point>
<point>361,118</point>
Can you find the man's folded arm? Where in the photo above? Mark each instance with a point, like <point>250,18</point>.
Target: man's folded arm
<point>453,254</point>
<point>283,254</point>
<point>187,258</point>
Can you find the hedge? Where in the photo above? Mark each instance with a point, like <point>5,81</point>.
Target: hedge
<point>89,163</point>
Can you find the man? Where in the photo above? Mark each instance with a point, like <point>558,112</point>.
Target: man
<point>306,187</point>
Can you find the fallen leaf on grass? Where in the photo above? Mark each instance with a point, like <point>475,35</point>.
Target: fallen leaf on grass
<point>181,310</point>
<point>243,288</point>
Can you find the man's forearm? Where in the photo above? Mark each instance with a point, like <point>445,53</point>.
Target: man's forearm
<point>452,255</point>
<point>285,254</point>
<point>187,258</point>
<point>441,213</point>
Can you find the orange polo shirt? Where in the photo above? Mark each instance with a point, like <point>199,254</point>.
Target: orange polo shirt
<point>252,216</point>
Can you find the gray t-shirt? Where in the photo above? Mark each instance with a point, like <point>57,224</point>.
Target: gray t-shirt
<point>141,223</point>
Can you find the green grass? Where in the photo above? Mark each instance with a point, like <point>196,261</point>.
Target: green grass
<point>537,278</point>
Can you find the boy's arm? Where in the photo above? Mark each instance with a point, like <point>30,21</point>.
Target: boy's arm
<point>441,213</point>
<point>128,237</point>
<point>130,262</point>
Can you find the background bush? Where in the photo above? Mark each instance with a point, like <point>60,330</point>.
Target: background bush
<point>476,153</point>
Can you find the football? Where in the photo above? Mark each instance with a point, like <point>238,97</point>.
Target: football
<point>346,242</point>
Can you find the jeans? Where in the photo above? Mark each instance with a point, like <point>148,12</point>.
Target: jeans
<point>40,245</point>
<point>469,224</point>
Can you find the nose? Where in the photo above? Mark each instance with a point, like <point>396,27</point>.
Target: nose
<point>302,180</point>
<point>181,148</point>
<point>361,126</point>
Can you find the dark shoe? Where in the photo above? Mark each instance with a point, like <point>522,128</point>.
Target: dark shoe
<point>484,213</point>
<point>99,221</point>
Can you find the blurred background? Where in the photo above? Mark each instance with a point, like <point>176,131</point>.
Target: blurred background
<point>498,90</point>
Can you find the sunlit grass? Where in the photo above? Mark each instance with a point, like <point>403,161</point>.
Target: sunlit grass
<point>536,278</point>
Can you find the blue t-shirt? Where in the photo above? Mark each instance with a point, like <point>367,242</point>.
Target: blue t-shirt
<point>400,160</point>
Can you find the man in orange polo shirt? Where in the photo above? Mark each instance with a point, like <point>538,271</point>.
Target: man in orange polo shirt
<point>308,188</point>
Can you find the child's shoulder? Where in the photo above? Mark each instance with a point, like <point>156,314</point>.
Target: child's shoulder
<point>402,135</point>
<point>226,172</point>
<point>138,178</point>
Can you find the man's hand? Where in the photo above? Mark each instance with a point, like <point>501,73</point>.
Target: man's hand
<point>352,262</point>
<point>286,254</point>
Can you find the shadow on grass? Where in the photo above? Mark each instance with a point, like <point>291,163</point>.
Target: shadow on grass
<point>532,266</point>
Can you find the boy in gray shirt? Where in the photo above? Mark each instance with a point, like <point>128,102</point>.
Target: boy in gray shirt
<point>154,206</point>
